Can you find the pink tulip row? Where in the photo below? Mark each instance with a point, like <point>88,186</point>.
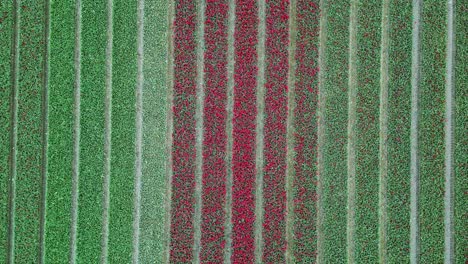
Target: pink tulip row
<point>214,132</point>
<point>183,150</point>
<point>244,124</point>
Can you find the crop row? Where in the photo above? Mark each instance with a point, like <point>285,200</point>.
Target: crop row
<point>244,116</point>
<point>276,109</point>
<point>214,132</point>
<point>368,35</point>
<point>183,150</point>
<point>305,137</point>
<point>334,93</point>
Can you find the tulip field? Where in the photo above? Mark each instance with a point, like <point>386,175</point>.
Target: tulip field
<point>233,131</point>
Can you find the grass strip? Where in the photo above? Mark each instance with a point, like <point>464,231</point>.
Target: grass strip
<point>449,255</point>
<point>244,124</point>
<point>332,141</point>
<point>368,35</point>
<point>414,133</point>
<point>383,135</point>
<point>121,186</point>
<point>305,137</point>
<point>259,135</point>
<point>431,131</point>
<point>183,151</point>
<point>351,134</point>
<point>276,112</point>
<point>229,121</point>
<point>152,233</point>
<point>29,131</point>
<point>214,132</point>
<point>60,150</point>
<point>199,120</point>
<point>6,27</point>
<point>91,159</point>
<point>461,130</point>
<point>399,116</point>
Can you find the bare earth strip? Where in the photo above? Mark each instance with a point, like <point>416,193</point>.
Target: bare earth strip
<point>415,78</point>
<point>321,130</point>
<point>76,134</point>
<point>45,131</point>
<point>138,133</point>
<point>449,251</point>
<point>199,129</point>
<point>107,133</point>
<point>230,102</point>
<point>290,134</point>
<point>259,132</point>
<point>10,255</point>
<point>383,137</point>
<point>352,119</point>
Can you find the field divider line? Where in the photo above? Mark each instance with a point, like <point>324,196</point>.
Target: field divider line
<point>45,131</point>
<point>138,131</point>
<point>383,134</point>
<point>414,168</point>
<point>229,106</point>
<point>449,249</point>
<point>76,134</point>
<point>352,120</point>
<point>290,133</point>
<point>107,134</point>
<point>259,155</point>
<point>170,127</point>
<point>415,79</point>
<point>321,129</point>
<point>13,131</point>
<point>199,130</point>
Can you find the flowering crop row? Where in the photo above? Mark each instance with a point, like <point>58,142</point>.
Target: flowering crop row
<point>305,137</point>
<point>215,138</point>
<point>276,100</point>
<point>243,160</point>
<point>183,152</point>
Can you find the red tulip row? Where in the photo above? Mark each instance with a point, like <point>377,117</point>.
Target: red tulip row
<point>214,132</point>
<point>305,123</point>
<point>276,112</point>
<point>183,150</point>
<point>244,124</point>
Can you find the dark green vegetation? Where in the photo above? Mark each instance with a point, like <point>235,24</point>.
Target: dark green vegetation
<point>431,130</point>
<point>334,111</point>
<point>28,89</point>
<point>461,132</point>
<point>399,118</point>
<point>91,158</point>
<point>6,22</point>
<point>367,131</point>
<point>124,77</point>
<point>60,144</point>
